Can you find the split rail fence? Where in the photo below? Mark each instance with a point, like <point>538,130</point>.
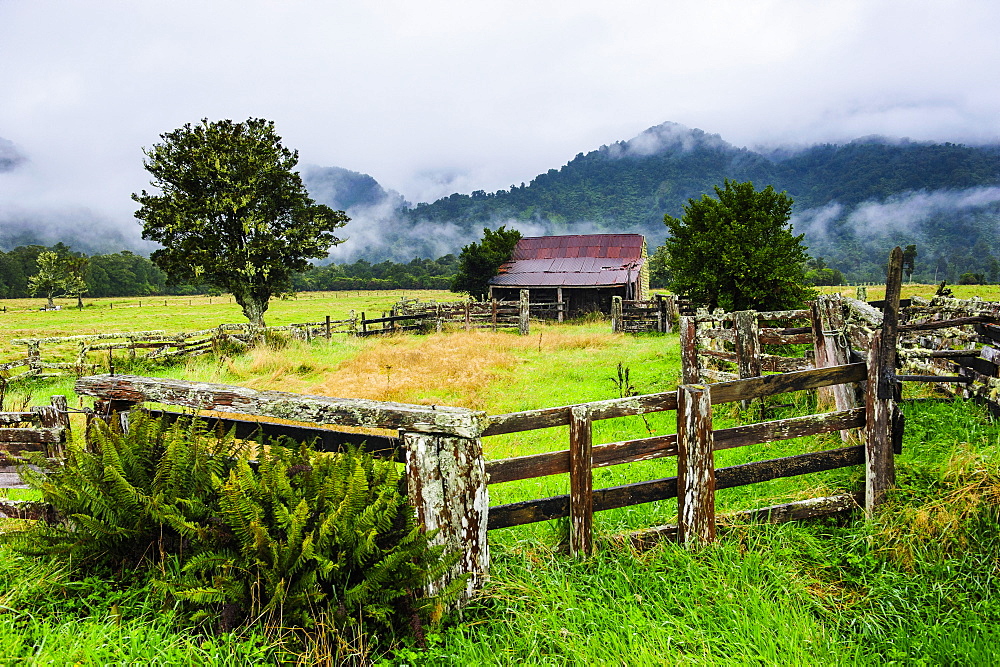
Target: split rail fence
<point>491,314</point>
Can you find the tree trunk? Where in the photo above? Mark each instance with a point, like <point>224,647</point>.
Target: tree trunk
<point>254,305</point>
<point>51,305</point>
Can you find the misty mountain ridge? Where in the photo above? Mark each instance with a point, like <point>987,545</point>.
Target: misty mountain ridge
<point>853,202</point>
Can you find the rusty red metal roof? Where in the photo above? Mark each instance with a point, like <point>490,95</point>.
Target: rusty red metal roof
<point>583,260</point>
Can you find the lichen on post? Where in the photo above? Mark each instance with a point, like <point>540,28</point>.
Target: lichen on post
<point>446,484</point>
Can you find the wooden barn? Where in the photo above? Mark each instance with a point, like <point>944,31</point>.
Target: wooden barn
<point>584,270</point>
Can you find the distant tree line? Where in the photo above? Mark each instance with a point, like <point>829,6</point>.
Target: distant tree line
<point>419,273</point>
<point>116,274</point>
<point>128,274</point>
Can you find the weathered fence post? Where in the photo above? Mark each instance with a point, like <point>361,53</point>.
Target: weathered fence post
<point>882,392</point>
<point>862,293</point>
<point>880,470</point>
<point>468,315</point>
<point>34,357</point>
<point>327,327</point>
<point>446,484</point>
<point>616,314</point>
<point>560,308</point>
<point>831,349</point>
<point>672,312</point>
<point>581,483</point>
<point>689,351</point>
<point>524,307</point>
<point>695,466</point>
<point>493,303</point>
<point>661,314</point>
<point>747,342</point>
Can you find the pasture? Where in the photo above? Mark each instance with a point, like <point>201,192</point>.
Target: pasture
<point>917,584</point>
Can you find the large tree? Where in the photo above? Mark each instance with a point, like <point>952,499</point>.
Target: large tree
<point>737,250</point>
<point>52,277</point>
<point>231,211</point>
<point>479,262</point>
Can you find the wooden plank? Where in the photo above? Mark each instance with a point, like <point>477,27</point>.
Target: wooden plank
<point>324,439</point>
<point>785,339</point>
<point>991,331</point>
<point>28,510</point>
<point>769,385</point>
<point>960,379</point>
<point>812,508</point>
<point>643,449</point>
<point>789,466</point>
<point>16,417</point>
<point>555,507</point>
<point>560,416</point>
<point>981,366</point>
<point>771,363</point>
<point>581,484</point>
<point>785,429</point>
<point>726,335</point>
<point>695,466</point>
<point>30,435</point>
<point>947,324</point>
<point>284,405</point>
<point>557,463</point>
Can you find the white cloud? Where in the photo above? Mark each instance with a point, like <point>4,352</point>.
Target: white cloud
<point>444,95</point>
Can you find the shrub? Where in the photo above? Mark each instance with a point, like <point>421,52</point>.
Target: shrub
<point>300,538</point>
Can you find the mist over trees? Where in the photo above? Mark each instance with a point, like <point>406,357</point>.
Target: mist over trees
<point>853,202</point>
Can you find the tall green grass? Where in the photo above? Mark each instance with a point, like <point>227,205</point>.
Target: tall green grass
<point>916,584</point>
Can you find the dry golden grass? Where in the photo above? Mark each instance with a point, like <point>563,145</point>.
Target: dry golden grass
<point>450,368</point>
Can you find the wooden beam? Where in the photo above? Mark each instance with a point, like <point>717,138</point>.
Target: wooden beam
<point>283,405</point>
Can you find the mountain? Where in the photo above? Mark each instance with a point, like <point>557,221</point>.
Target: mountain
<point>853,201</point>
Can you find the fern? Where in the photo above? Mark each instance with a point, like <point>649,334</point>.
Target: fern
<point>302,534</point>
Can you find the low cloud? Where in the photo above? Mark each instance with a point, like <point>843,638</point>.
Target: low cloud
<point>907,212</point>
<point>10,156</point>
<point>665,137</point>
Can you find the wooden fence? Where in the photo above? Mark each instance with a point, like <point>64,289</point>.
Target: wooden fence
<point>491,314</point>
<point>40,429</point>
<point>657,314</point>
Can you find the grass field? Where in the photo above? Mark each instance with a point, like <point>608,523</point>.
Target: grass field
<point>915,585</point>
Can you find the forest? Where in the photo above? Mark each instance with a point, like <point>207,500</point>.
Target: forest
<point>128,274</point>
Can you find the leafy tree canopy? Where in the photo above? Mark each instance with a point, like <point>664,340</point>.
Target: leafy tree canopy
<point>737,251</point>
<point>479,262</point>
<point>232,212</point>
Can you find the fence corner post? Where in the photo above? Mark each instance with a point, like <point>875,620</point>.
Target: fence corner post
<point>695,466</point>
<point>880,468</point>
<point>689,351</point>
<point>747,331</point>
<point>524,309</point>
<point>446,484</point>
<point>616,314</point>
<point>581,483</point>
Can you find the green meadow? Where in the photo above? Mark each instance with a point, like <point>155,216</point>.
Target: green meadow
<point>914,584</point>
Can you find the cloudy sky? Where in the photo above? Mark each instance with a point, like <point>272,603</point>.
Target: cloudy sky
<point>434,97</point>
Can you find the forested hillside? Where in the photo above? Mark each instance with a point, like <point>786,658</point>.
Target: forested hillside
<point>852,201</point>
